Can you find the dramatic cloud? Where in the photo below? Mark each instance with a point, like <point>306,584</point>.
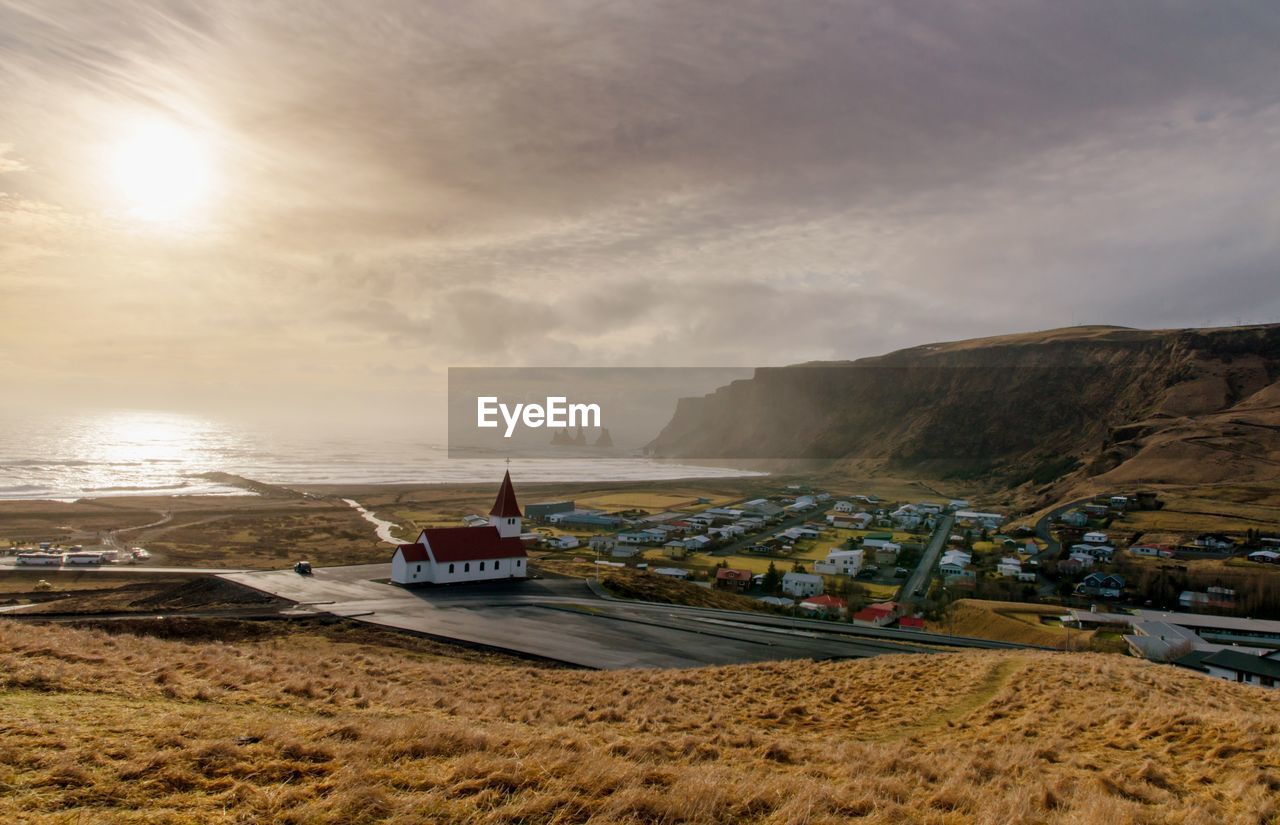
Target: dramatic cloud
<point>404,186</point>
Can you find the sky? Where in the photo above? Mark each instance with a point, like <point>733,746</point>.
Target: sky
<point>320,207</point>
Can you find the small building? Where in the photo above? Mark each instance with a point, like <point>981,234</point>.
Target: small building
<point>887,553</point>
<point>733,579</point>
<point>1246,668</point>
<point>825,606</point>
<point>539,511</point>
<point>1009,566</point>
<point>877,615</point>
<point>1105,585</point>
<point>1265,557</point>
<point>843,507</point>
<point>1215,541</point>
<point>1118,502</point>
<point>1163,551</point>
<point>675,549</point>
<point>648,536</point>
<point>802,584</point>
<point>1074,518</point>
<point>911,623</point>
<point>566,542</point>
<point>671,572</point>
<point>1095,537</point>
<point>840,563</point>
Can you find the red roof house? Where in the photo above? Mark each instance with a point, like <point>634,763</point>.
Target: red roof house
<point>729,578</point>
<point>826,605</point>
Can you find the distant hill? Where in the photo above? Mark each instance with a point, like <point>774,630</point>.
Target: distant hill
<point>1135,406</point>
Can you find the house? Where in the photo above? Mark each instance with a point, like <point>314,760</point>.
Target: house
<point>1246,668</point>
<point>444,555</point>
<point>911,623</point>
<point>542,509</point>
<point>1214,598</point>
<point>1009,566</point>
<point>1118,502</point>
<point>1159,550</point>
<point>698,543</point>
<point>601,543</point>
<point>675,549</point>
<point>1106,585</point>
<point>843,507</point>
<point>1215,541</point>
<point>651,535</point>
<point>825,605</point>
<point>737,581</point>
<point>474,521</point>
<point>1027,576</point>
<point>887,553</point>
<point>671,572</point>
<point>777,601</point>
<point>1074,518</point>
<point>567,542</point>
<point>877,615</point>
<point>1099,552</point>
<point>802,584</point>
<point>840,563</point>
<point>763,508</point>
<point>1265,557</point>
<point>1086,559</point>
<point>1095,537</point>
<point>972,518</point>
<point>585,518</point>
<point>622,551</point>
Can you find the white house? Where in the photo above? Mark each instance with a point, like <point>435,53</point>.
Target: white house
<point>1096,537</point>
<point>444,555</point>
<point>801,584</point>
<point>1009,566</point>
<point>840,563</point>
<point>650,536</point>
<point>1247,668</point>
<point>671,572</point>
<point>567,542</point>
<point>844,507</point>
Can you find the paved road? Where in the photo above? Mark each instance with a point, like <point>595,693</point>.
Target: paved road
<point>919,578</point>
<point>563,620</point>
<point>1044,533</point>
<point>8,564</point>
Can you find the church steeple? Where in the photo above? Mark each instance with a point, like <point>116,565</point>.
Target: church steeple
<point>506,515</point>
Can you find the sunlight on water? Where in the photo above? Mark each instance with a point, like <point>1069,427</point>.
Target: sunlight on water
<point>156,453</point>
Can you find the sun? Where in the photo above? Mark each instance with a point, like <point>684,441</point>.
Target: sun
<point>161,171</point>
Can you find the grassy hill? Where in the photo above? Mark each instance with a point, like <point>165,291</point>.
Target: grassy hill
<point>335,724</point>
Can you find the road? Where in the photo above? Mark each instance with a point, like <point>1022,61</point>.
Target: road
<point>919,578</point>
<point>1045,533</point>
<point>10,563</point>
<point>563,620</point>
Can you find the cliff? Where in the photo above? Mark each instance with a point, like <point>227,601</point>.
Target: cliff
<point>1136,405</point>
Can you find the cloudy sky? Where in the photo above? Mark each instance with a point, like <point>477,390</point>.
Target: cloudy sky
<point>303,204</point>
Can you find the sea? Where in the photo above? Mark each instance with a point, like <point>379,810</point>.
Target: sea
<point>129,453</point>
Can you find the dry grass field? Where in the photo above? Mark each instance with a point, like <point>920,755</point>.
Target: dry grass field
<point>320,724</point>
<point>1010,622</point>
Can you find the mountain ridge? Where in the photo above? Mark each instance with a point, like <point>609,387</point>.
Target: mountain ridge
<point>1124,404</point>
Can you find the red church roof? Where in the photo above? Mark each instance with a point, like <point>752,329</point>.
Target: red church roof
<point>469,544</point>
<point>413,552</point>
<point>505,506</point>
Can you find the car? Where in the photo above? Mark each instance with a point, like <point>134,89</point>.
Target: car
<point>919,591</point>
<point>302,568</point>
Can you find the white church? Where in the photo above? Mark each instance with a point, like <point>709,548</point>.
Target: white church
<point>444,555</point>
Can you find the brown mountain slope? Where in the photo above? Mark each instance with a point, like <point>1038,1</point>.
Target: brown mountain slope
<point>294,725</point>
<point>1182,406</point>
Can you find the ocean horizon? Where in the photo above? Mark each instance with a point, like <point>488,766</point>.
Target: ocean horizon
<point>129,453</point>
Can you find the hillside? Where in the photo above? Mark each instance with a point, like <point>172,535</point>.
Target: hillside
<point>332,724</point>
<point>1129,406</point>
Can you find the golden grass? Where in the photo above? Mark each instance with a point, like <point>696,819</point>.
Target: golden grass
<point>1009,622</point>
<point>310,727</point>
